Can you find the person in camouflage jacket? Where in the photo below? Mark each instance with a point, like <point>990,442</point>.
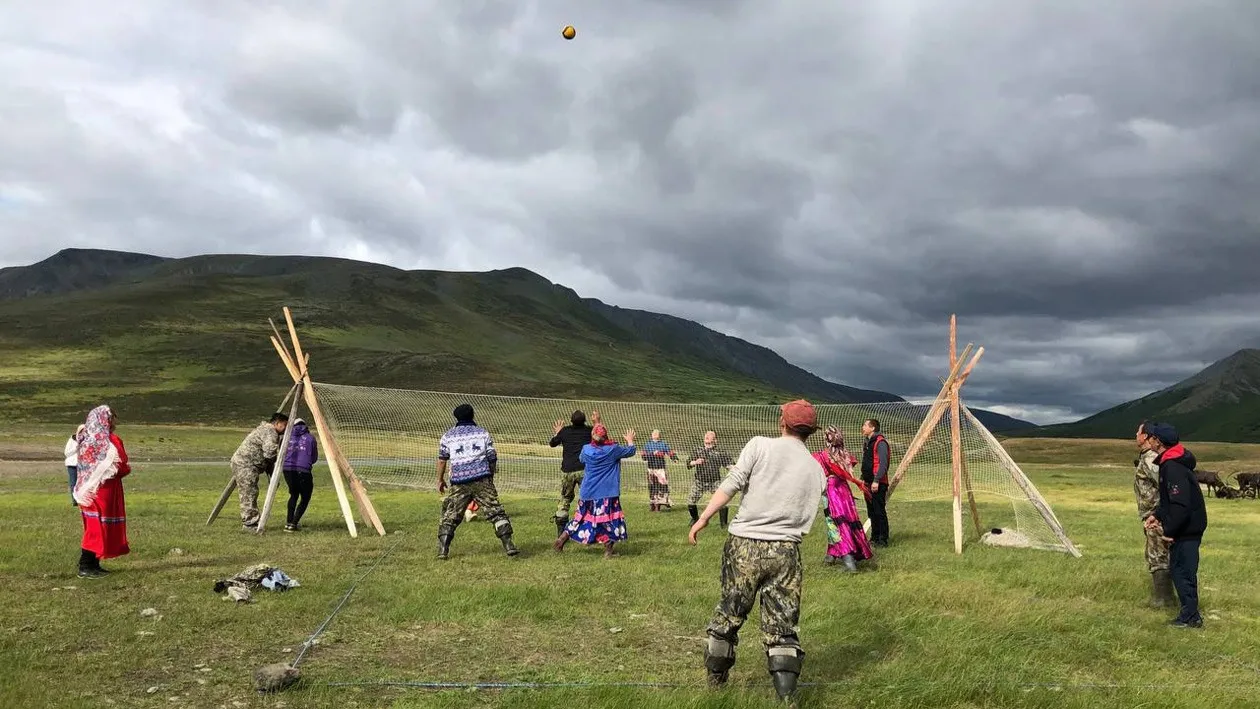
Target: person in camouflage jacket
<point>1146,490</point>
<point>256,454</point>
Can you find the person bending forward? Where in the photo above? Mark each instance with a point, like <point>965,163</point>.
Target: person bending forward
<point>253,458</point>
<point>781,483</point>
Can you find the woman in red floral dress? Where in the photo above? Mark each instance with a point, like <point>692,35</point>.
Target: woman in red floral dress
<point>99,492</point>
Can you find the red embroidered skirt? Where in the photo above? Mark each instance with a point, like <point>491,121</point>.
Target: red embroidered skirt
<point>105,522</point>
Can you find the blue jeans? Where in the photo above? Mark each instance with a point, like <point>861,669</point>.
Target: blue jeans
<point>73,474</point>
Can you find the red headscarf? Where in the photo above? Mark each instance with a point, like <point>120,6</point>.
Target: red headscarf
<point>600,437</point>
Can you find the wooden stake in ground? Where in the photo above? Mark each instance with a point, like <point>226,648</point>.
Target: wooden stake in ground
<point>277,470</point>
<point>231,485</point>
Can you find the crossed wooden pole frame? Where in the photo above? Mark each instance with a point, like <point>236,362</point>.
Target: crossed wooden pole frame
<point>950,399</point>
<point>338,464</point>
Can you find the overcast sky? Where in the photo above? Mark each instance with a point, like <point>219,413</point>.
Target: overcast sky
<point>1078,180</point>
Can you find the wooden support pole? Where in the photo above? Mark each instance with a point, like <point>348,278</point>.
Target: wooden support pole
<point>962,379</point>
<point>955,438</point>
<point>277,469</point>
<point>231,485</point>
<point>333,452</point>
<point>302,376</point>
<point>337,461</point>
<point>933,417</point>
<point>929,422</point>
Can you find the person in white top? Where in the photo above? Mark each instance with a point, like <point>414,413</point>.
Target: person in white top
<point>72,461</point>
<point>781,484</point>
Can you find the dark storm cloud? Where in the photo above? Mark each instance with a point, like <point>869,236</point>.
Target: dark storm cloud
<point>1075,179</point>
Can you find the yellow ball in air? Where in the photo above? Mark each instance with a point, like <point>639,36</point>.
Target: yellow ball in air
<point>568,32</point>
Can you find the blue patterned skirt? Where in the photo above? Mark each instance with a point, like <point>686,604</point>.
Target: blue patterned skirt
<point>598,522</point>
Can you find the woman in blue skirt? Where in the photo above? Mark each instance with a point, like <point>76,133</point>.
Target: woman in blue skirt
<point>599,519</point>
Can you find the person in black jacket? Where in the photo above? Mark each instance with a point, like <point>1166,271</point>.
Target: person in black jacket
<point>572,469</point>
<point>1181,518</point>
<point>875,459</point>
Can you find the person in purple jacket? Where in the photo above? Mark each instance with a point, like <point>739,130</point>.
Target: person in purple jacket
<point>299,458</point>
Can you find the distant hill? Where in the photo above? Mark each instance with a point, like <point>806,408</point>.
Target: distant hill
<point>185,340</point>
<point>1221,403</point>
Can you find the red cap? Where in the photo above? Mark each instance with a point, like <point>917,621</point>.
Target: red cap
<point>799,413</point>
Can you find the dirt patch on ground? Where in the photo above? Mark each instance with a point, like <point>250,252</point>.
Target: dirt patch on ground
<point>10,451</point>
<point>18,469</point>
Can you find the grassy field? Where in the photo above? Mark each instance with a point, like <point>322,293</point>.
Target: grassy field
<point>992,628</point>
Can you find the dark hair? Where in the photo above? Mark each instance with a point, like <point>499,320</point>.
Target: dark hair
<point>802,430</point>
<point>463,413</point>
<point>874,424</point>
<point>578,418</point>
<point>278,417</point>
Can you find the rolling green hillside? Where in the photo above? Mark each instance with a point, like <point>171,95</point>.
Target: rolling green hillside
<point>1221,403</point>
<point>185,340</point>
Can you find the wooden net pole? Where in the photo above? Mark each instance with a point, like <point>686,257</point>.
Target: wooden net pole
<point>955,438</point>
<point>331,447</point>
<point>929,422</point>
<point>320,430</point>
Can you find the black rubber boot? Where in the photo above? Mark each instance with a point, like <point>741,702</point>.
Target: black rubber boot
<point>850,564</point>
<point>508,546</point>
<point>719,658</point>
<point>722,517</point>
<point>89,565</point>
<point>695,513</point>
<point>503,530</point>
<point>785,670</point>
<point>1162,594</point>
<point>444,545</point>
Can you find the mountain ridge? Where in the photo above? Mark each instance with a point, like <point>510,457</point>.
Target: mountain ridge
<point>376,317</point>
<point>1219,403</point>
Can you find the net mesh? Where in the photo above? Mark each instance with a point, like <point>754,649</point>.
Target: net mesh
<point>390,436</point>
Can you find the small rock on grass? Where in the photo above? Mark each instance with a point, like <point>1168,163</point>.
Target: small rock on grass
<point>275,677</point>
<point>149,613</point>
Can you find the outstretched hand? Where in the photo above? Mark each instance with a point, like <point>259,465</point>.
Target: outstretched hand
<point>629,436</point>
<point>558,426</point>
<point>595,417</point>
<point>695,530</point>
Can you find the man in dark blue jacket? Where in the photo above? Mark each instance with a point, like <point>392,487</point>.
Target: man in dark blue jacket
<point>1181,518</point>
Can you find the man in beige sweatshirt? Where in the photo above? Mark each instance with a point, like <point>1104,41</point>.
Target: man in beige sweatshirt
<point>781,485</point>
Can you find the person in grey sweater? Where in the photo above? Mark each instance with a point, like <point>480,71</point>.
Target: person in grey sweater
<point>781,484</point>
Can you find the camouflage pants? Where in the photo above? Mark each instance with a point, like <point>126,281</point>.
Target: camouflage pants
<point>487,496</point>
<point>247,490</point>
<point>1156,552</point>
<point>569,484</point>
<point>771,569</point>
<point>700,488</point>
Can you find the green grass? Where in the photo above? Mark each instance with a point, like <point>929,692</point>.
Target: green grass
<point>992,628</point>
